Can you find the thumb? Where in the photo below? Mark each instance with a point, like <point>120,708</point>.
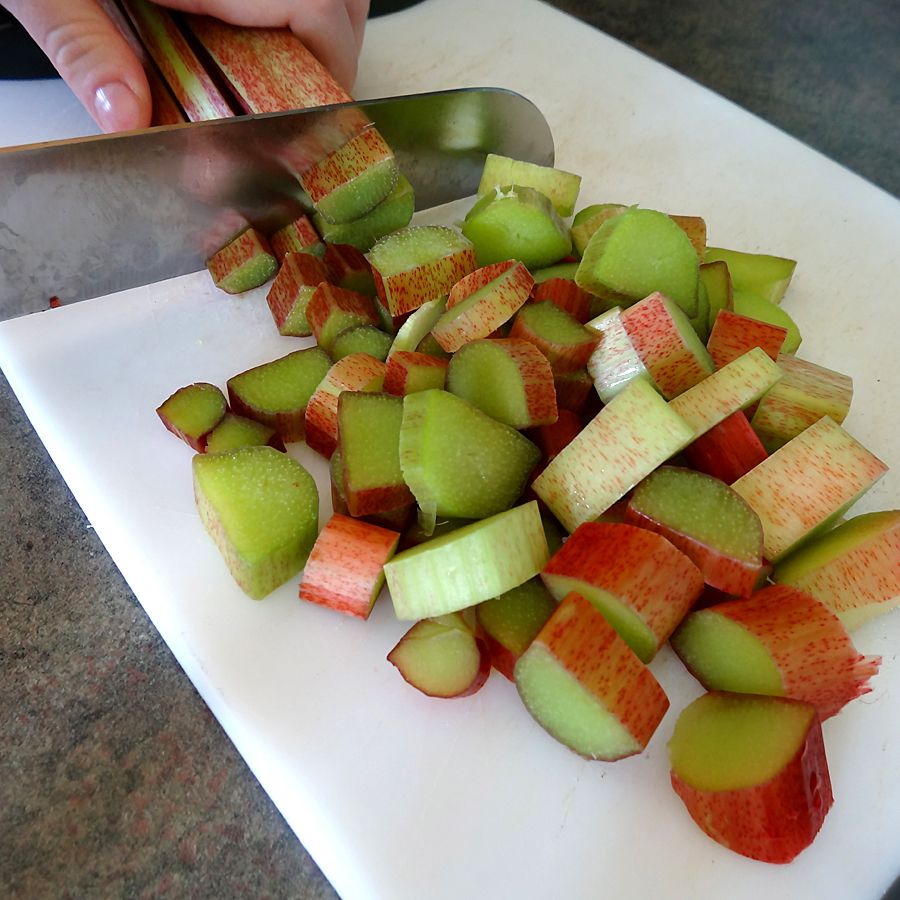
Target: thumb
<point>91,56</point>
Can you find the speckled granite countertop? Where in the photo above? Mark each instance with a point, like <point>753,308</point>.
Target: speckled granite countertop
<point>115,780</point>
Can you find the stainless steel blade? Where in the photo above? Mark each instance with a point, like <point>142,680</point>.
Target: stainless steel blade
<point>91,216</point>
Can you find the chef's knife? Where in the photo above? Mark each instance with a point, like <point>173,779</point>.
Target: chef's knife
<point>90,216</point>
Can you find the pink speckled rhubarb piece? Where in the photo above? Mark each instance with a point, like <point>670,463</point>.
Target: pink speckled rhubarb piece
<point>345,164</point>
<point>406,291</point>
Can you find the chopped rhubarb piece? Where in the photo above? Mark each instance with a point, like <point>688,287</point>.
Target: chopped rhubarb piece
<point>565,342</point>
<point>361,339</point>
<point>695,228</point>
<point>584,686</point>
<point>298,236</point>
<point>276,393</point>
<point>345,569</point>
<point>667,344</point>
<point>418,264</point>
<point>352,180</point>
<point>732,335</point>
<point>637,579</point>
<point>560,187</point>
<point>808,484</point>
<point>369,428</point>
<point>396,519</point>
<point>511,621</point>
<point>730,389</point>
<point>417,326</point>
<point>564,293</point>
<point>481,302</point>
<point>756,273</point>
<point>632,435</point>
<point>288,298</point>
<point>780,641</point>
<point>805,393</point>
<point>192,412</point>
<point>234,432</point>
<point>442,657</point>
<point>707,521</point>
<point>510,380</point>
<point>752,773</point>
<point>753,307</point>
<point>185,75</point>
<point>245,262</point>
<point>637,253</point>
<point>332,310</point>
<point>853,569</point>
<point>392,214</point>
<point>458,461</point>
<point>588,220</point>
<point>476,562</point>
<point>615,361</point>
<point>728,450</point>
<point>715,278</point>
<point>349,268</point>
<point>409,371</point>
<point>261,508</point>
<point>517,222</point>
<point>359,372</point>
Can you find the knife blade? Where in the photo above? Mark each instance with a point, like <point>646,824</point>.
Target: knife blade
<point>91,216</point>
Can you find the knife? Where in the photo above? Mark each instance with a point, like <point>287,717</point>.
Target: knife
<point>91,216</point>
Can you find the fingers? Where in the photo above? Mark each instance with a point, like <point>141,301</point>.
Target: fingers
<point>92,57</point>
<point>331,29</point>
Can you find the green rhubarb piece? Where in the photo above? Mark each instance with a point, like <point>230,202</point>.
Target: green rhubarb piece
<point>755,273</point>
<point>715,279</point>
<point>261,508</point>
<point>468,565</point>
<point>429,345</point>
<point>276,393</point>
<point>244,263</point>
<point>394,212</point>
<point>362,339</point>
<point>414,246</point>
<point>295,323</point>
<point>192,412</point>
<point>554,325</point>
<point>722,653</point>
<point>458,461</point>
<point>559,186</point>
<point>516,616</point>
<point>418,325</point>
<point>515,222</point>
<point>369,428</point>
<point>588,220</point>
<point>234,432</point>
<point>755,307</point>
<point>700,321</point>
<point>486,375</point>
<point>700,506</point>
<point>638,252</point>
<point>727,742</point>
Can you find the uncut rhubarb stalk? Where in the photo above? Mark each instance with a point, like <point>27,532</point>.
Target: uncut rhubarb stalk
<point>186,76</point>
<point>165,109</point>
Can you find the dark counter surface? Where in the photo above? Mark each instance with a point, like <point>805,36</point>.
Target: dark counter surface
<point>115,780</point>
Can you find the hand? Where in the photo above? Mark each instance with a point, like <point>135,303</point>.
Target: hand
<point>103,72</point>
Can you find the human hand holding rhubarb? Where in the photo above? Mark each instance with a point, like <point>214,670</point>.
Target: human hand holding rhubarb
<point>96,62</point>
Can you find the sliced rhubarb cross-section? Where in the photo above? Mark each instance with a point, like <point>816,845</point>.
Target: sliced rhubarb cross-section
<point>752,773</point>
<point>288,298</point>
<point>756,273</point>
<point>409,371</point>
<point>192,412</point>
<point>261,508</point>
<point>559,186</point>
<point>584,685</point>
<point>276,393</point>
<point>332,310</point>
<point>299,236</point>
<point>234,432</point>
<point>565,342</point>
<point>781,642</point>
<point>707,521</point>
<point>732,335</point>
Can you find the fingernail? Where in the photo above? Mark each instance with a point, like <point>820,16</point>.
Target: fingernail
<point>115,107</point>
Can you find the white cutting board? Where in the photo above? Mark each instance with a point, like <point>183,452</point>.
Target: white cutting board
<point>398,796</point>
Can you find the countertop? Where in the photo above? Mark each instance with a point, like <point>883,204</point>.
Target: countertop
<point>115,780</point>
